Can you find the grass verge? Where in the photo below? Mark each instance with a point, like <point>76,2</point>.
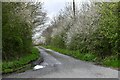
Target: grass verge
<point>74,54</point>
<point>110,61</point>
<point>12,66</point>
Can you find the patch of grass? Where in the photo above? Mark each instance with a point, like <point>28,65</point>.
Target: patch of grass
<point>11,66</point>
<point>89,57</point>
<point>74,54</point>
<point>111,61</point>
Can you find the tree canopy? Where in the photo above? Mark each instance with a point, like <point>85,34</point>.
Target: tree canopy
<point>18,22</point>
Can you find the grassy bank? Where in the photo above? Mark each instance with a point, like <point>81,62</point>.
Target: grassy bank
<point>110,61</point>
<point>12,66</point>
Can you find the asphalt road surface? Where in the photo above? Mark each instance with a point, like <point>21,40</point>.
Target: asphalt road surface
<point>61,66</point>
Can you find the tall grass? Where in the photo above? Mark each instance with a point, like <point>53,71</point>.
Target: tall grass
<point>11,66</point>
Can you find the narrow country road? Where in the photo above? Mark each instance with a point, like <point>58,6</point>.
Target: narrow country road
<point>61,66</point>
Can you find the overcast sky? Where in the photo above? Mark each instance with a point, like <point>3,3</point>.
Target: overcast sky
<point>54,6</point>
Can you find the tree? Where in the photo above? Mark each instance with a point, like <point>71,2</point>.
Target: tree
<point>18,21</point>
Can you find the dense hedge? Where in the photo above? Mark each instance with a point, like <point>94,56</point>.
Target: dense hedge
<point>16,32</point>
<point>106,38</point>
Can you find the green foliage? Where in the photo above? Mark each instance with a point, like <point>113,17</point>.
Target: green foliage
<point>48,40</point>
<point>17,28</point>
<point>58,41</point>
<point>0,25</point>
<point>79,42</point>
<point>106,38</point>
<point>16,32</point>
<point>14,65</point>
<point>18,24</point>
<point>89,57</point>
<point>111,61</point>
<point>75,54</point>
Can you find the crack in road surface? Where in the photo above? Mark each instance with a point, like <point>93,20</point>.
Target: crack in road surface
<point>61,66</point>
